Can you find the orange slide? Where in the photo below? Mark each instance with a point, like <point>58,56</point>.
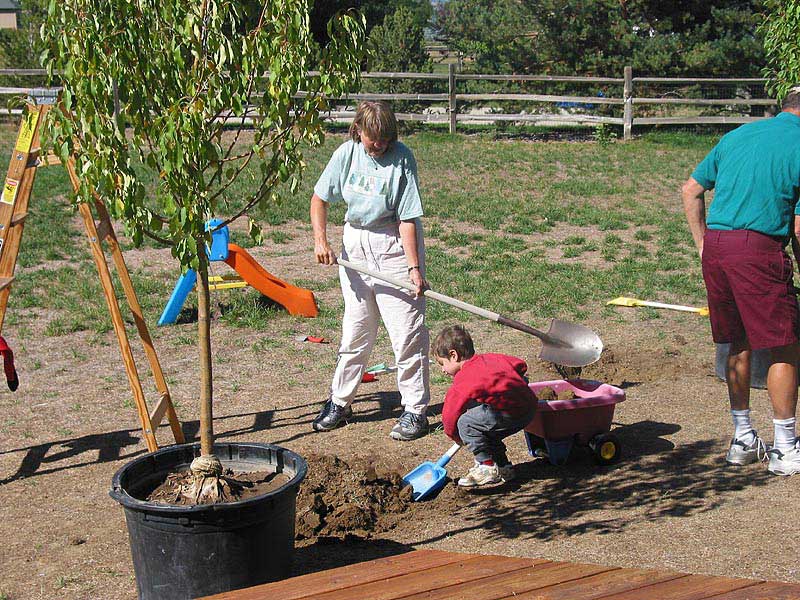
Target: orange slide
<point>298,301</point>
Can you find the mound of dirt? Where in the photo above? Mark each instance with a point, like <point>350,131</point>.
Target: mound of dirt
<point>547,394</point>
<point>340,499</point>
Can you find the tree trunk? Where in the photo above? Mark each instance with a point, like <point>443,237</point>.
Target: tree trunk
<point>204,347</point>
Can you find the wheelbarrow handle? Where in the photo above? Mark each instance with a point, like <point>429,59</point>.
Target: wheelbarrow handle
<point>448,455</point>
<point>470,308</point>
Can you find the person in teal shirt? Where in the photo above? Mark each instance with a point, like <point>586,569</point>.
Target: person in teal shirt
<point>755,173</point>
<point>376,176</point>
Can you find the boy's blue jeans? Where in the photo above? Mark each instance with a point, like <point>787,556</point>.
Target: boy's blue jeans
<point>482,429</point>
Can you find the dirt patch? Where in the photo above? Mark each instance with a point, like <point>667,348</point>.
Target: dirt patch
<point>356,498</point>
<point>621,366</point>
<point>237,486</point>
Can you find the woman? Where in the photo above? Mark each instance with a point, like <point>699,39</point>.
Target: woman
<point>376,175</point>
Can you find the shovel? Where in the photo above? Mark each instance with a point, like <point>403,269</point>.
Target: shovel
<point>429,477</point>
<point>564,343</point>
<point>623,301</point>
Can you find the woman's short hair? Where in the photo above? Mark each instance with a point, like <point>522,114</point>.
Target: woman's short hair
<point>454,337</point>
<point>376,119</point>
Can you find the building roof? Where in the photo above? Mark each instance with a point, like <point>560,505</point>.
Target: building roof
<point>7,5</point>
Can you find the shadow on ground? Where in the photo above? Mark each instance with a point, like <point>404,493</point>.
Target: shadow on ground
<point>654,481</point>
<point>329,553</point>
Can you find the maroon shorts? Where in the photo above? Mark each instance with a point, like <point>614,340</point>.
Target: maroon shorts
<point>751,297</point>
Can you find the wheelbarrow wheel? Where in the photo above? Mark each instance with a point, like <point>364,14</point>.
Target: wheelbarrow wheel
<point>606,448</point>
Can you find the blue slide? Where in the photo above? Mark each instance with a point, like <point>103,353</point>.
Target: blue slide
<point>182,289</point>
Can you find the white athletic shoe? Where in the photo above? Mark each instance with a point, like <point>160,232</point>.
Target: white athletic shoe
<point>785,463</point>
<point>481,475</point>
<point>740,453</point>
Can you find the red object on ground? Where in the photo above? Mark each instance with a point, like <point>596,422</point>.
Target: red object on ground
<point>8,365</point>
<point>368,377</point>
<point>298,301</point>
<point>311,338</point>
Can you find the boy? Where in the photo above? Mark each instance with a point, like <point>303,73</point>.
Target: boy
<point>488,401</point>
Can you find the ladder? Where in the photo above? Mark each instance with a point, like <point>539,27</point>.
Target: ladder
<point>14,200</point>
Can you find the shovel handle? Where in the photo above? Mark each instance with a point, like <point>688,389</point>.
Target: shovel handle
<point>465,306</point>
<point>448,455</point>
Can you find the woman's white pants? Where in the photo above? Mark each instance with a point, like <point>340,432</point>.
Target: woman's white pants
<point>366,300</point>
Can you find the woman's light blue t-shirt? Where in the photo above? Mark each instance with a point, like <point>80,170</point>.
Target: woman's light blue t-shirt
<point>378,191</point>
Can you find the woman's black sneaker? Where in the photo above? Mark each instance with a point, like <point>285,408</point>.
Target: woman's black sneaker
<point>331,416</point>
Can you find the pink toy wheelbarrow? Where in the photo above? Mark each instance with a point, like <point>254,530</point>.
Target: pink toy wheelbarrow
<point>584,420</point>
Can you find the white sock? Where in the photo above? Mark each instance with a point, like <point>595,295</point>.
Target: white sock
<point>784,434</point>
<point>742,428</point>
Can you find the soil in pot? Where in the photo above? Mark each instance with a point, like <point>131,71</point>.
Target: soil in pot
<point>240,486</point>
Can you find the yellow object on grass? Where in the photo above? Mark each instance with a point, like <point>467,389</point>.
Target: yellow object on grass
<point>625,301</point>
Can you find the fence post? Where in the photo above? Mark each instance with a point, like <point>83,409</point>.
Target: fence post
<point>627,115</point>
<point>451,91</point>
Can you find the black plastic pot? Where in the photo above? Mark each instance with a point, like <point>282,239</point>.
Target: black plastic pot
<point>182,552</point>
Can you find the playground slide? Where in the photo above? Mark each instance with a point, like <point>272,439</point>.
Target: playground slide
<point>297,301</point>
<point>182,289</point>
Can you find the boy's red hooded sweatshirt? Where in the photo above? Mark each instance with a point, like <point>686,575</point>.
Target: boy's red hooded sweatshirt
<point>493,379</point>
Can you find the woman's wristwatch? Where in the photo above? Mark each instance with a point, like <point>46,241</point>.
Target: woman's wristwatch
<point>412,268</point>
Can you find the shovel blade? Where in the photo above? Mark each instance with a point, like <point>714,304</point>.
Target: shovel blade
<point>571,345</point>
<point>425,480</point>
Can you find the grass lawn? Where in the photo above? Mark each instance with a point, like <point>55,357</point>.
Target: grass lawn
<point>539,229</point>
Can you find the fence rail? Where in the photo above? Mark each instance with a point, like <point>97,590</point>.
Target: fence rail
<point>582,104</point>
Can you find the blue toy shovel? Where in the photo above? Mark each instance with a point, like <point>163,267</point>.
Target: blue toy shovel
<point>429,477</point>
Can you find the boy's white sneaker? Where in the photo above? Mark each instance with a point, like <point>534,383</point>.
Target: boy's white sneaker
<point>740,453</point>
<point>785,462</point>
<point>481,475</point>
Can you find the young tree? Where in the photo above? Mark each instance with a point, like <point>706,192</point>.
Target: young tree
<point>182,73</point>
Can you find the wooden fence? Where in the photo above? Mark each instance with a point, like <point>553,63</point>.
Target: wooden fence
<point>574,109</point>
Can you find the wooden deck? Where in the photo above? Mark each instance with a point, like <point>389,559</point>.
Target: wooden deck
<point>438,575</point>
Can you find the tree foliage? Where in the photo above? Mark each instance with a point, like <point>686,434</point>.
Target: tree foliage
<point>398,44</point>
<point>182,76</point>
<point>600,37</point>
<point>782,46</point>
<point>375,13</point>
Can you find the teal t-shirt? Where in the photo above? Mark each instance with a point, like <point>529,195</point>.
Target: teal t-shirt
<point>755,171</point>
<point>378,191</point>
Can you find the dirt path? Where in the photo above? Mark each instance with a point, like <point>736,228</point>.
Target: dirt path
<point>670,503</point>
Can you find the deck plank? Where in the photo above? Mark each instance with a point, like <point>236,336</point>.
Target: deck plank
<point>691,587</point>
<point>603,584</point>
<point>769,590</point>
<point>512,584</point>
<point>440,575</point>
<point>312,584</point>
<point>471,571</point>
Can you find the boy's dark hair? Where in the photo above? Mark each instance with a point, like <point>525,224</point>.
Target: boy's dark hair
<point>454,337</point>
